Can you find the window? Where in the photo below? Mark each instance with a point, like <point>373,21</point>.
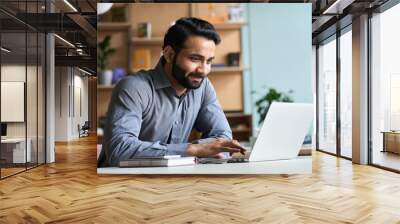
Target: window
<point>346,93</point>
<point>327,96</point>
<point>385,88</point>
<point>22,76</point>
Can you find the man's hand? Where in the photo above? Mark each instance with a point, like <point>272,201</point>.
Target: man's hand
<point>215,148</point>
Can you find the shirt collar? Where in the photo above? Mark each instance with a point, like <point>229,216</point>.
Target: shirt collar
<point>159,77</point>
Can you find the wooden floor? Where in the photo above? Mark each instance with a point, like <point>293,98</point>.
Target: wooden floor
<point>70,191</point>
<point>10,171</point>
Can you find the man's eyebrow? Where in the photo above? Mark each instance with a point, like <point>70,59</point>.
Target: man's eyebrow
<point>197,55</point>
<point>200,56</point>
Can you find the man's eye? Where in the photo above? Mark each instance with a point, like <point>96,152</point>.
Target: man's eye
<point>209,62</point>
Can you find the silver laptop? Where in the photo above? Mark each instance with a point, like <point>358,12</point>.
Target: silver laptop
<point>281,135</point>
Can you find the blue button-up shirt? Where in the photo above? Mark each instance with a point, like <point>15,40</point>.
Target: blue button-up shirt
<point>146,117</point>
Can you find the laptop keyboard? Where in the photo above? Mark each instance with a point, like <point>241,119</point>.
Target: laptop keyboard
<point>220,161</point>
<point>238,160</point>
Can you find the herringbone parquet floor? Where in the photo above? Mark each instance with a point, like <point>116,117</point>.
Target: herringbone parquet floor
<point>70,191</point>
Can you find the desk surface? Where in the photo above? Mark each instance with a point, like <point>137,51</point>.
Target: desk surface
<point>300,165</point>
<point>391,132</point>
<point>13,140</point>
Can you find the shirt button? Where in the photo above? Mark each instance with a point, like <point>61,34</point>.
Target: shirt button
<point>176,122</point>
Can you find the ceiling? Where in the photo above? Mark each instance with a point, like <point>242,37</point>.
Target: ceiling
<point>73,20</point>
<point>332,15</point>
<point>77,24</point>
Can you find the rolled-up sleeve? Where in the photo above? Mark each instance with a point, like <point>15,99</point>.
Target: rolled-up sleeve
<point>122,128</point>
<point>211,120</point>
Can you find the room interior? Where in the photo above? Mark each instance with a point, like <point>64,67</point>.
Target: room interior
<point>355,160</point>
<point>22,101</point>
<point>30,86</point>
<point>237,90</point>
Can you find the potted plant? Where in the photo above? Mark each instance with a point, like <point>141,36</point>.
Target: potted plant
<point>104,52</point>
<point>266,100</point>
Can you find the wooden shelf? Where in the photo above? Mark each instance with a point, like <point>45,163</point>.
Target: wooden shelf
<point>241,125</point>
<point>159,40</point>
<point>224,79</point>
<point>228,26</point>
<point>241,130</point>
<point>117,26</point>
<point>226,69</point>
<point>105,87</point>
<point>148,41</point>
<point>113,26</point>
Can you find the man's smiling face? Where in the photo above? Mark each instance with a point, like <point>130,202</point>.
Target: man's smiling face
<point>193,62</point>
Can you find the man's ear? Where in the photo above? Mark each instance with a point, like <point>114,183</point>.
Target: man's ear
<point>169,54</point>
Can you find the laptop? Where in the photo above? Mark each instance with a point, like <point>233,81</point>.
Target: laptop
<point>281,135</point>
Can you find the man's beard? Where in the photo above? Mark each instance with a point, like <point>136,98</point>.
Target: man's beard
<point>180,76</point>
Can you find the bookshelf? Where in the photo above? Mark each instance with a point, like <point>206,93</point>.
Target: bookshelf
<point>227,80</point>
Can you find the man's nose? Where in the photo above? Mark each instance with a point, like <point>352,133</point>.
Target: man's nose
<point>203,68</point>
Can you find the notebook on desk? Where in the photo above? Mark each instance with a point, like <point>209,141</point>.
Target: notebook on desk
<point>163,161</point>
<point>281,135</point>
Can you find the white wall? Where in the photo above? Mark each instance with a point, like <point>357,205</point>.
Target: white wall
<point>17,73</point>
<point>71,93</point>
<point>14,73</point>
<point>33,126</point>
<point>80,100</point>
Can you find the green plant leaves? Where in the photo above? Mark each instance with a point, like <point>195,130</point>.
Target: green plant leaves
<point>104,52</point>
<point>266,100</point>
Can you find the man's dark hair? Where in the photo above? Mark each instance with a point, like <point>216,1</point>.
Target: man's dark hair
<point>185,27</point>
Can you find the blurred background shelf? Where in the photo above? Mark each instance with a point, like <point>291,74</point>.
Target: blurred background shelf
<point>148,41</point>
<point>228,26</point>
<point>105,87</point>
<point>135,53</point>
<point>227,69</point>
<point>113,26</point>
<point>241,125</point>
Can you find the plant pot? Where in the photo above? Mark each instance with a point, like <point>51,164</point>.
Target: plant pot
<point>118,74</point>
<point>105,77</point>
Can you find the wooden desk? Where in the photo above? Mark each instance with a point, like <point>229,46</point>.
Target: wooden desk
<point>391,141</point>
<point>13,150</point>
<point>299,165</point>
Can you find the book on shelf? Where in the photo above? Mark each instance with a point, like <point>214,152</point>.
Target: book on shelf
<point>163,161</point>
<point>141,59</point>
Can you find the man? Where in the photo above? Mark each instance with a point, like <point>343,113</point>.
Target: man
<point>153,112</point>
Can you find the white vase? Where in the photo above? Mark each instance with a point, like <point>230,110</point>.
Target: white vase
<point>105,77</point>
